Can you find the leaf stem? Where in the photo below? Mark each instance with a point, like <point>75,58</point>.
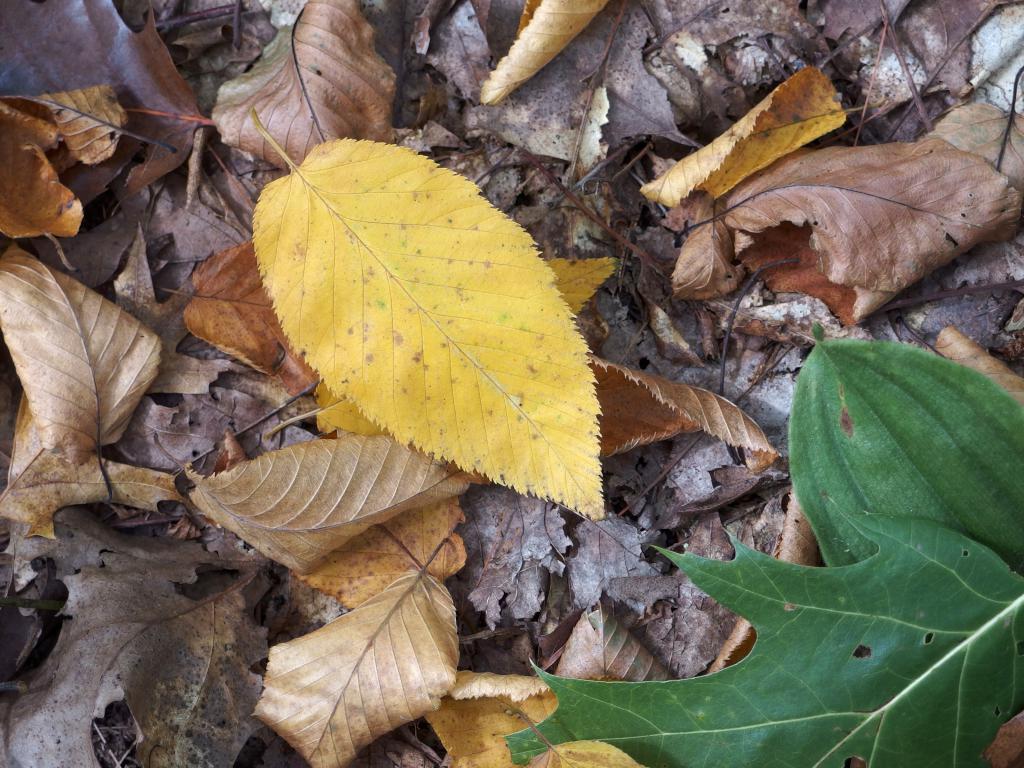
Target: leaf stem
<point>270,140</point>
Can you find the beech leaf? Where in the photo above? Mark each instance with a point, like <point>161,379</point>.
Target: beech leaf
<point>798,111</point>
<point>980,128</point>
<point>333,63</point>
<point>388,662</point>
<point>298,504</point>
<point>420,302</point>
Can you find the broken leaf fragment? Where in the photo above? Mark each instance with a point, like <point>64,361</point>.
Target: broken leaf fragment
<point>803,108</point>
<point>579,279</point>
<point>601,648</point>
<point>955,346</point>
<point>982,129</point>
<point>416,299</point>
<point>388,662</point>
<point>88,120</point>
<point>584,754</point>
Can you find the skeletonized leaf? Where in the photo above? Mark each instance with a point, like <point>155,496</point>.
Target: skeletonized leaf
<point>600,648</point>
<point>416,299</point>
<point>87,120</point>
<point>349,87</point>
<point>579,279</point>
<point>367,564</point>
<point>300,503</point>
<point>339,413</point>
<point>333,691</point>
<point>546,27</point>
<point>84,362</point>
<point>584,754</point>
<point>32,200</point>
<point>639,408</point>
<point>979,128</point>
<point>800,110</point>
<point>481,709</point>
<point>954,345</point>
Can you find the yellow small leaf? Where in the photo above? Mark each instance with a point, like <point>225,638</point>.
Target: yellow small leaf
<point>579,279</point>
<point>339,413</point>
<point>481,709</point>
<point>962,349</point>
<point>546,27</point>
<point>584,754</point>
<point>298,504</point>
<point>800,110</point>
<point>333,691</point>
<point>413,297</point>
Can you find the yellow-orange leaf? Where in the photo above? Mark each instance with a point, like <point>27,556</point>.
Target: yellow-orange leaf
<point>579,279</point>
<point>338,413</point>
<point>800,110</point>
<point>88,119</point>
<point>547,26</point>
<point>962,349</point>
<point>416,299</point>
<point>584,754</point>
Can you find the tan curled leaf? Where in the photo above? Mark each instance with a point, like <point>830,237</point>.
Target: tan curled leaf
<point>980,128</point>
<point>388,662</point>
<point>338,413</point>
<point>866,222</point>
<point>88,120</point>
<point>638,408</point>
<point>231,310</point>
<point>798,111</point>
<point>367,564</point>
<point>32,200</point>
<point>546,27</point>
<point>480,710</point>
<point>578,279</point>
<point>350,88</point>
<point>600,648</point>
<point>84,362</point>
<point>708,270</point>
<point>962,349</point>
<point>416,299</point>
<point>298,504</point>
<point>584,754</point>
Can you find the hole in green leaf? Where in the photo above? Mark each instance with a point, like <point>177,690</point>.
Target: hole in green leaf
<point>966,552</point>
<point>1020,647</point>
<point>928,638</point>
<point>862,652</point>
<point>997,712</point>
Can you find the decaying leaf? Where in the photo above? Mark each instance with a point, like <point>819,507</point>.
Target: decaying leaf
<point>600,648</point>
<point>865,222</point>
<point>481,709</point>
<point>638,408</point>
<point>367,564</point>
<point>87,120</point>
<point>32,199</point>
<point>708,271</point>
<point>980,128</point>
<point>145,626</point>
<point>333,691</point>
<point>798,111</point>
<point>416,299</point>
<point>338,413</point>
<point>330,85</point>
<point>584,754</point>
<point>84,362</point>
<point>962,349</point>
<point>298,504</point>
<point>579,279</point>
<point>231,310</point>
<point>546,27</point>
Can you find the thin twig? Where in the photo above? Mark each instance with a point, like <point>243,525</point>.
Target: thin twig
<point>216,12</point>
<point>1009,120</point>
<point>951,294</point>
<point>907,74</point>
<point>106,123</point>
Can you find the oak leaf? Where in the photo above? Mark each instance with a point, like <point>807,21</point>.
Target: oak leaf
<point>579,279</point>
<point>388,662</point>
<point>416,299</point>
<point>84,362</point>
<point>954,345</point>
<point>982,129</point>
<point>584,754</point>
<point>331,84</point>
<point>546,27</point>
<point>601,648</point>
<point>298,504</point>
<point>798,111</point>
<point>366,565</point>
<point>481,709</point>
<point>32,199</point>
<point>865,222</point>
<point>88,120</point>
<point>639,408</point>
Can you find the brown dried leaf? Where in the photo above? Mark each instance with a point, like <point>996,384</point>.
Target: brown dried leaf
<point>600,648</point>
<point>584,754</point>
<point>1007,748</point>
<point>298,504</point>
<point>639,408</point>
<point>367,564</point>
<point>962,349</point>
<point>84,362</point>
<point>980,128</point>
<point>231,310</point>
<point>708,271</point>
<point>349,87</point>
<point>333,691</point>
<point>32,199</point>
<point>87,119</point>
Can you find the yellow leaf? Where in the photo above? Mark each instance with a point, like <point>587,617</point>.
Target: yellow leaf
<point>962,349</point>
<point>547,26</point>
<point>333,691</point>
<point>800,110</point>
<point>298,504</point>
<point>413,297</point>
<point>481,709</point>
<point>88,119</point>
<point>584,754</point>
<point>579,279</point>
<point>81,358</point>
<point>365,565</point>
<point>339,413</point>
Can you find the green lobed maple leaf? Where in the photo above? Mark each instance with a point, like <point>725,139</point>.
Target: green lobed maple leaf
<point>911,657</point>
<point>896,430</point>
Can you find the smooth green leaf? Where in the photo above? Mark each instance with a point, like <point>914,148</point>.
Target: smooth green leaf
<point>891,429</point>
<point>911,657</point>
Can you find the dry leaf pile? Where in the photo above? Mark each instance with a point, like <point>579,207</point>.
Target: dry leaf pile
<point>356,354</point>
